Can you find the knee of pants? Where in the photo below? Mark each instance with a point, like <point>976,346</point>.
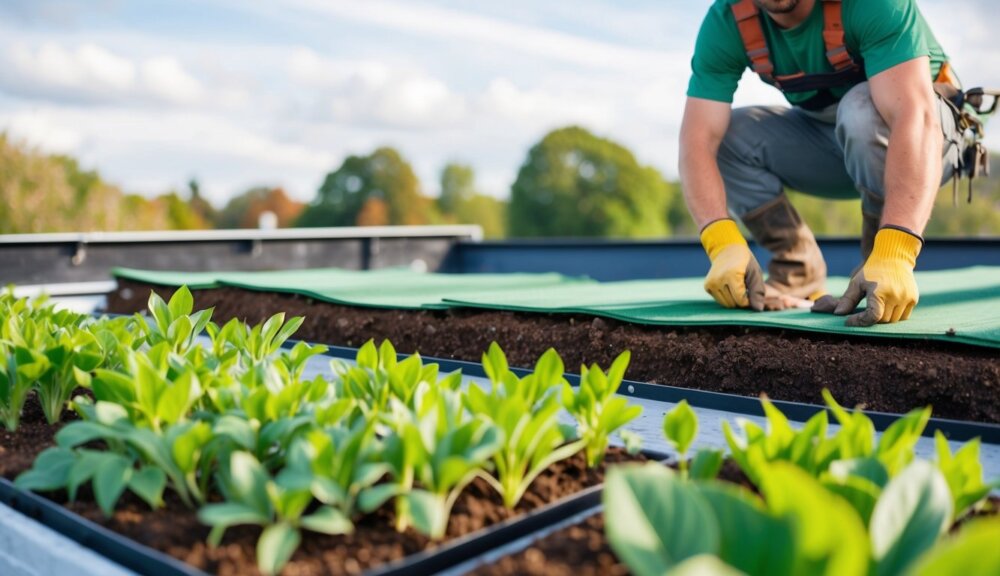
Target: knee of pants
<point>740,141</point>
<point>741,162</point>
<point>864,137</point>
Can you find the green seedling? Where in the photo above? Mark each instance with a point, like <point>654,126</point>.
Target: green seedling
<point>662,523</point>
<point>598,412</point>
<point>173,323</point>
<point>279,504</point>
<point>963,471</point>
<point>526,410</point>
<point>441,447</point>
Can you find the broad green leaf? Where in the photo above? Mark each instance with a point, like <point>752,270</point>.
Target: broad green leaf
<point>160,311</point>
<point>181,303</point>
<point>237,429</point>
<point>704,565</point>
<point>895,447</point>
<point>249,481</point>
<point>276,546</point>
<point>327,520</point>
<point>861,493</point>
<point>110,480</point>
<point>706,464</point>
<point>495,363</point>
<point>50,470</point>
<point>658,520</point>
<point>226,514</point>
<point>680,425</point>
<point>83,470</point>
<point>371,499</point>
<point>963,471</point>
<point>832,537</point>
<point>148,483</point>
<point>367,356</point>
<point>973,551</point>
<point>869,468</point>
<point>914,511</point>
<point>428,513</point>
<point>80,432</point>
<point>750,539</point>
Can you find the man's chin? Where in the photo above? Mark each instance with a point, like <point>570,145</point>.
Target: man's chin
<point>777,6</point>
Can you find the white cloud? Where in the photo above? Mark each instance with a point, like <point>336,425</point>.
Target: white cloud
<point>368,91</point>
<point>164,78</point>
<point>39,130</point>
<point>533,109</point>
<point>92,74</point>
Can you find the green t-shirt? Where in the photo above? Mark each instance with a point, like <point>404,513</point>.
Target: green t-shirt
<point>883,33</point>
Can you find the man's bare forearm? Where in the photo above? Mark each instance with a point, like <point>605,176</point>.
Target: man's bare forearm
<point>704,192</point>
<point>912,169</point>
<point>705,124</point>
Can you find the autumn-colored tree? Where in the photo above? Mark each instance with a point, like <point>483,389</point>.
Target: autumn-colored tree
<point>374,212</point>
<point>383,175</point>
<point>244,210</point>
<point>43,193</point>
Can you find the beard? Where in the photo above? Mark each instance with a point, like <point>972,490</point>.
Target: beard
<point>777,6</point>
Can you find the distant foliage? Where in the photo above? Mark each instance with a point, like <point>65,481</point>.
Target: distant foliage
<point>576,184</point>
<point>461,203</point>
<point>383,175</point>
<point>43,193</point>
<point>244,210</point>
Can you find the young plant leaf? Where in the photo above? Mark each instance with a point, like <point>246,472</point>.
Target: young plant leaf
<point>276,545</point>
<point>914,511</point>
<point>658,520</point>
<point>680,425</point>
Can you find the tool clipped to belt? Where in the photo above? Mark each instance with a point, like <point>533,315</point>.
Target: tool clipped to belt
<point>969,107</point>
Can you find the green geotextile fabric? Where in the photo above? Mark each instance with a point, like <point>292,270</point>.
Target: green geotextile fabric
<point>399,288</point>
<point>960,305</point>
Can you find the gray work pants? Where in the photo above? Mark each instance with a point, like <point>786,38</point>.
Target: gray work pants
<point>769,148</point>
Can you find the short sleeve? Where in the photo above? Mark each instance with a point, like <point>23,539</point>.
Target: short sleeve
<point>719,57</point>
<point>888,33</point>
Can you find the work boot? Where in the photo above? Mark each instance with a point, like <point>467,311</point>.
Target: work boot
<point>797,271</point>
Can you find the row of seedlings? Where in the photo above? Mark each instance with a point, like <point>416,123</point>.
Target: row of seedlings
<point>234,429</point>
<point>803,501</point>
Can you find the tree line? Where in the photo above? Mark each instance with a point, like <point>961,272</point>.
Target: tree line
<point>572,183</point>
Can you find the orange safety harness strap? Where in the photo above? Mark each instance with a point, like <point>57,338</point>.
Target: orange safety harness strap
<point>846,70</point>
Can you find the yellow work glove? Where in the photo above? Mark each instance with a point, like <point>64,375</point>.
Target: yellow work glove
<point>886,279</point>
<point>735,279</point>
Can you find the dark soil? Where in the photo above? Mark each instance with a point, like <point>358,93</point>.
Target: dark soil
<point>177,531</point>
<point>18,449</point>
<point>961,382</point>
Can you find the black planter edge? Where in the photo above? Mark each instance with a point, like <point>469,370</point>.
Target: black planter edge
<point>109,544</point>
<point>959,430</point>
<point>520,545</point>
<point>470,546</point>
<point>146,560</point>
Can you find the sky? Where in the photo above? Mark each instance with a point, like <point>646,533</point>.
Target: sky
<point>240,93</point>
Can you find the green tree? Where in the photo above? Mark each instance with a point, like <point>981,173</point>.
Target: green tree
<point>383,175</point>
<point>461,203</point>
<point>458,186</point>
<point>576,184</point>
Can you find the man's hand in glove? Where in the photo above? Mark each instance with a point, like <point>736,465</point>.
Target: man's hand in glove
<point>735,279</point>
<point>886,279</point>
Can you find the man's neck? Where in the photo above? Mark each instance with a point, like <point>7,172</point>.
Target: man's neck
<point>796,16</point>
